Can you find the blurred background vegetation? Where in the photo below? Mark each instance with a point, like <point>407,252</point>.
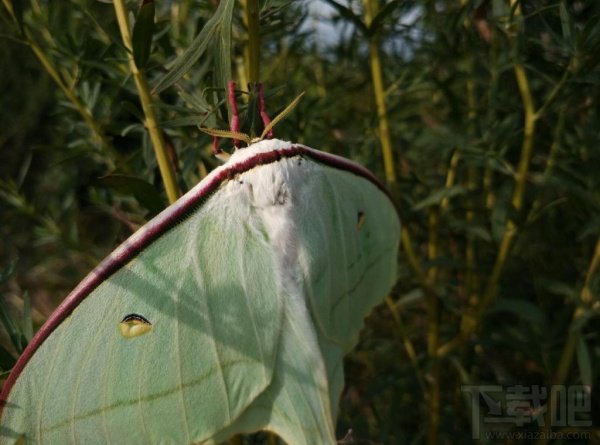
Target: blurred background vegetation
<point>482,115</point>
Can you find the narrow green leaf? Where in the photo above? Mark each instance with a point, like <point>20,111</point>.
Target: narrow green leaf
<point>194,100</point>
<point>11,328</point>
<point>522,308</point>
<point>142,34</point>
<point>480,232</point>
<point>222,48</point>
<point>383,15</point>
<point>584,362</point>
<point>411,297</point>
<point>560,288</point>
<point>186,60</point>
<point>143,191</point>
<point>566,24</point>
<point>437,196</point>
<point>589,36</point>
<point>348,14</point>
<point>7,271</point>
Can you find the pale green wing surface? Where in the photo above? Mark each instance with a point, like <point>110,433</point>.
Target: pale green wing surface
<point>339,244</point>
<point>234,320</point>
<point>348,259</point>
<point>349,249</point>
<point>211,350</point>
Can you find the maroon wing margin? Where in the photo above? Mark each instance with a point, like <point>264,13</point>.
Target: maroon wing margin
<point>173,216</point>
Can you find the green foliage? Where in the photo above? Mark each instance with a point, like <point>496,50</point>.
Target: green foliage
<point>458,117</point>
<point>142,34</point>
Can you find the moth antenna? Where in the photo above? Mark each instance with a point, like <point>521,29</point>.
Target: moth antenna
<point>281,115</point>
<point>263,110</point>
<point>227,134</point>
<point>235,117</point>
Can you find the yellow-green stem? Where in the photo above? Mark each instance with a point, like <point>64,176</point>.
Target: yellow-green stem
<point>529,130</point>
<point>556,142</point>
<point>9,7</point>
<point>469,323</point>
<point>470,259</point>
<point>242,72</point>
<point>79,106</point>
<point>68,92</point>
<point>407,343</point>
<point>433,331</point>
<point>164,164</point>
<point>510,229</point>
<point>379,91</point>
<point>569,349</point>
<point>488,184</point>
<point>554,149</point>
<point>450,177</point>
<point>251,20</point>
<point>407,246</point>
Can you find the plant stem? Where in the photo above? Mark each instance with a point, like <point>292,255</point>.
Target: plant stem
<point>433,310</point>
<point>470,254</point>
<point>9,7</point>
<point>252,22</point>
<point>77,104</point>
<point>370,7</point>
<point>510,229</point>
<point>160,149</point>
<point>550,163</point>
<point>85,113</point>
<point>568,353</point>
<point>407,343</point>
<point>470,323</point>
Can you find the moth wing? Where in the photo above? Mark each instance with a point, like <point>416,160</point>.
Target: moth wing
<point>351,242</point>
<point>206,286</point>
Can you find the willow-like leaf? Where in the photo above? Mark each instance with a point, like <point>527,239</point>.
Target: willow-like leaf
<point>142,34</point>
<point>186,60</point>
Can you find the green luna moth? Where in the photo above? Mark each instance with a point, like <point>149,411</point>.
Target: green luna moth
<point>230,312</point>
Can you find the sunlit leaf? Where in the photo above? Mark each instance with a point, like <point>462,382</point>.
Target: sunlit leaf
<point>222,48</point>
<point>185,61</point>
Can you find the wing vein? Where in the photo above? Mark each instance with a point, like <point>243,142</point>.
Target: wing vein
<point>178,349</point>
<point>210,329</point>
<point>47,385</point>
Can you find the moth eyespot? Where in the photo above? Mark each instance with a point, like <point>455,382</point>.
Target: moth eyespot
<point>134,325</point>
<point>360,220</point>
